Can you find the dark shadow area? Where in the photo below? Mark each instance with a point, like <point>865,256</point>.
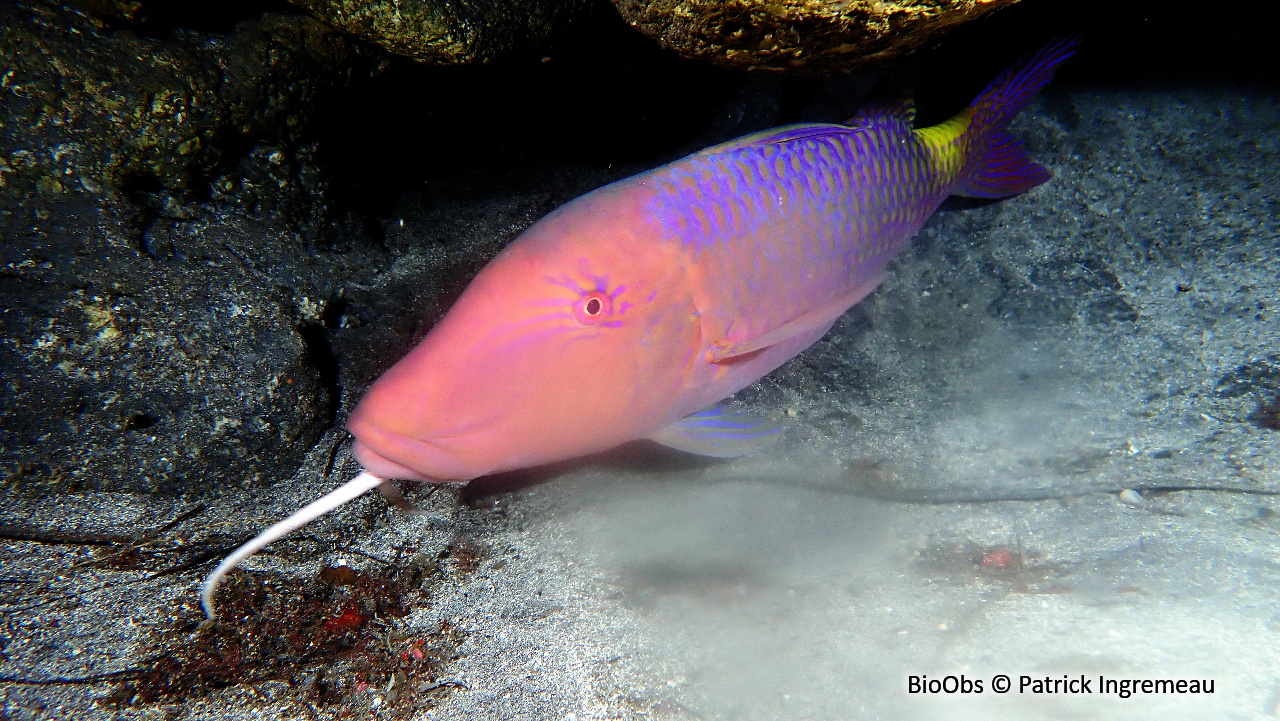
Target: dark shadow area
<point>1125,45</point>
<point>634,457</point>
<point>320,353</point>
<point>160,18</point>
<point>609,95</point>
<point>961,203</point>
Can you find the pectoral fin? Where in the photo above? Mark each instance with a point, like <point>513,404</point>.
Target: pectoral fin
<point>820,317</point>
<point>718,434</point>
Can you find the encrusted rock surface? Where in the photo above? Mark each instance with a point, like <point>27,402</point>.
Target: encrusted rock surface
<point>151,342</point>
<point>451,33</point>
<point>166,363</point>
<point>97,109</point>
<point>801,36</point>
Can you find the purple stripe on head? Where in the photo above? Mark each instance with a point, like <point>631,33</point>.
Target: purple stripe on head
<point>511,338</point>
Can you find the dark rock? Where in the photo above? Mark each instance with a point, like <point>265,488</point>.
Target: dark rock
<point>1061,290</point>
<point>136,370</point>
<point>154,342</point>
<point>91,108</point>
<point>1261,377</point>
<point>1259,381</point>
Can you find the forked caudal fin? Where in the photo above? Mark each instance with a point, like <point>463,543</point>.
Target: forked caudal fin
<point>1002,167</point>
<point>348,491</point>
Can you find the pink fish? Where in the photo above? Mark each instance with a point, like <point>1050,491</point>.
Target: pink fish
<point>630,312</point>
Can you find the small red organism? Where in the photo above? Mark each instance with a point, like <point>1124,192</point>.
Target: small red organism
<point>1001,558</point>
<point>348,621</point>
<point>414,652</point>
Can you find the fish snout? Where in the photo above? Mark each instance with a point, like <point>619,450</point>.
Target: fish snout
<point>379,465</point>
<point>391,454</point>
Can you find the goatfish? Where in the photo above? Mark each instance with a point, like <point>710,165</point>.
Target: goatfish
<point>631,311</point>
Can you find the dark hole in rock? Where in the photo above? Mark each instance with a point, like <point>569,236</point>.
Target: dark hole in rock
<point>137,185</point>
<point>139,421</point>
<point>321,355</point>
<point>333,312</point>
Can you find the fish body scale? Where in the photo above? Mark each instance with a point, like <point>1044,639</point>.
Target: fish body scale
<point>773,229</point>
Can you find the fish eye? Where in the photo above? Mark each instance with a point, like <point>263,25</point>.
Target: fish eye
<point>592,308</point>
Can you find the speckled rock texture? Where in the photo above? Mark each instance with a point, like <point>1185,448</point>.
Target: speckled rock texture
<point>148,344</point>
<point>88,107</point>
<point>209,345</point>
<point>452,33</point>
<point>799,36</point>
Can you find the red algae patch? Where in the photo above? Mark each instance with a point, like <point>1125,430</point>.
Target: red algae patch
<point>335,639</point>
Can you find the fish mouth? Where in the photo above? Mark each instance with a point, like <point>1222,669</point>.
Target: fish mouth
<point>392,455</point>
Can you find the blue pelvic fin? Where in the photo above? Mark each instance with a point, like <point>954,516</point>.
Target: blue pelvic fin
<point>718,434</point>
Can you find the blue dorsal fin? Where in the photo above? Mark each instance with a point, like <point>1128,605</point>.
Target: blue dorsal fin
<point>718,434</point>
<point>773,136</point>
<point>898,108</point>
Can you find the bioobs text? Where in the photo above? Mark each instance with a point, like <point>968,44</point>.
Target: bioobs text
<point>946,684</point>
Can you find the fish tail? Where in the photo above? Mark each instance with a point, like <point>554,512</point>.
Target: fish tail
<point>986,161</point>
